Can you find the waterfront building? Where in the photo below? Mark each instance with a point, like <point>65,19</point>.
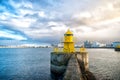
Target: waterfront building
<point>87,44</point>
<point>114,44</point>
<point>102,45</point>
<point>109,45</point>
<point>95,44</point>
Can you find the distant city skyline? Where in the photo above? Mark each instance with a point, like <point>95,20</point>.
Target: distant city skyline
<point>46,21</point>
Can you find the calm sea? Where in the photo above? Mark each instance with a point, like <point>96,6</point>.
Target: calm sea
<point>34,64</point>
<point>104,63</point>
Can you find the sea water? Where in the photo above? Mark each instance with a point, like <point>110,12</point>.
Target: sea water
<point>34,63</point>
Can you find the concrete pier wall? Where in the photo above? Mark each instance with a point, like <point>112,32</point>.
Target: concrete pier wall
<point>59,63</point>
<point>70,66</point>
<point>83,56</point>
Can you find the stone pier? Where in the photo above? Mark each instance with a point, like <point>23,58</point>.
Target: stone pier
<point>73,71</point>
<point>70,66</point>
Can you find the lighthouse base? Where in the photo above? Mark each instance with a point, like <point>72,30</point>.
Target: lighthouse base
<point>70,66</point>
<point>59,63</point>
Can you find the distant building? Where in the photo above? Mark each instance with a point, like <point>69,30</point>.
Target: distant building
<point>87,44</point>
<point>102,45</point>
<point>114,44</point>
<point>95,44</point>
<point>109,45</point>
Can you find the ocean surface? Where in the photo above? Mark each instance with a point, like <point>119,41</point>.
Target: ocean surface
<point>34,63</point>
<point>104,63</point>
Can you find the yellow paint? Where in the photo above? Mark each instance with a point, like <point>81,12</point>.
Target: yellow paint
<point>56,49</point>
<point>68,42</point>
<point>118,46</point>
<point>82,49</point>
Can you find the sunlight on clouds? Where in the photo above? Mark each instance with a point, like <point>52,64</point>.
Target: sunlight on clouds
<point>85,29</point>
<point>105,33</point>
<point>105,11</point>
<point>82,15</point>
<point>110,6</point>
<point>107,22</point>
<point>100,35</point>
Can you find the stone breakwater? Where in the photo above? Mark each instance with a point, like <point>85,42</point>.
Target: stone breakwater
<point>66,66</point>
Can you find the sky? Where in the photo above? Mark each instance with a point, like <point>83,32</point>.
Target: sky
<point>46,21</point>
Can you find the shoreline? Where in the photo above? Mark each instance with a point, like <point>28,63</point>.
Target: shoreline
<point>60,47</point>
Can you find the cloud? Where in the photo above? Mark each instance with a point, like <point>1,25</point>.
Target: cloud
<point>10,35</point>
<point>7,33</point>
<point>106,10</point>
<point>44,20</point>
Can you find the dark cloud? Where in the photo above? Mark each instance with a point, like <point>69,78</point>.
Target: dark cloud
<point>12,31</point>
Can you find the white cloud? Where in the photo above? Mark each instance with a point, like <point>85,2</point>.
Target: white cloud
<point>22,23</point>
<point>23,12</point>
<point>38,33</point>
<point>85,29</point>
<point>81,15</point>
<point>12,36</point>
<point>107,22</point>
<point>6,16</point>
<point>18,23</point>
<point>42,14</point>
<point>88,19</point>
<point>23,4</point>
<point>57,26</point>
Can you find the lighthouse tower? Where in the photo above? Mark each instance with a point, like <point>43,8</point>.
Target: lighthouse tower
<point>68,42</point>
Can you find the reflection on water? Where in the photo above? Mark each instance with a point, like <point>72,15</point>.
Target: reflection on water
<point>104,63</point>
<point>34,64</point>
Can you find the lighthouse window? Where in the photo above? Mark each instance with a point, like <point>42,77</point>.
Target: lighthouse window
<point>68,34</point>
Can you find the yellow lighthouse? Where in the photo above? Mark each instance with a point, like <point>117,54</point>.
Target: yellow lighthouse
<point>68,42</point>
